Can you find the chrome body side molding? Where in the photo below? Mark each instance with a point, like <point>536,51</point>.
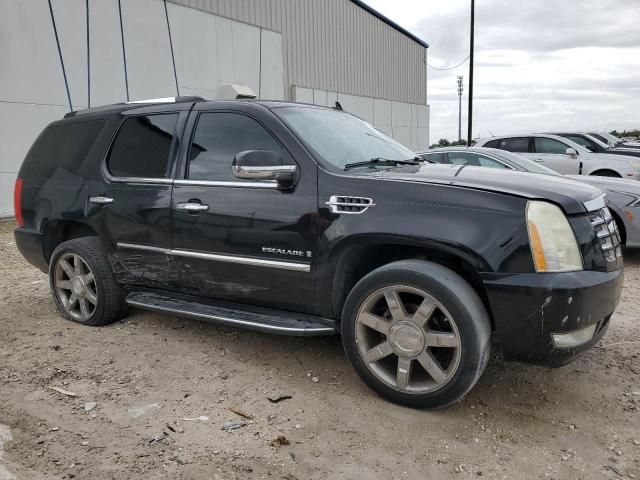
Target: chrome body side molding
<point>216,257</point>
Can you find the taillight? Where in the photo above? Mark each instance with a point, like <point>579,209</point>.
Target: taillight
<point>17,202</point>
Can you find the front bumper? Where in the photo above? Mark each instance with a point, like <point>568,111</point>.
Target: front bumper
<point>529,308</point>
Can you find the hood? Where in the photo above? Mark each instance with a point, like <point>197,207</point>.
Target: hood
<point>570,195</point>
<point>618,156</point>
<point>609,183</point>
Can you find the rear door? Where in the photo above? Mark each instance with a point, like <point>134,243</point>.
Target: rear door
<point>248,242</point>
<point>552,154</point>
<point>131,207</point>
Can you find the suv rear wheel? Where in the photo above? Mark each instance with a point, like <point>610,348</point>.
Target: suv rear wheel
<point>82,283</point>
<point>416,333</point>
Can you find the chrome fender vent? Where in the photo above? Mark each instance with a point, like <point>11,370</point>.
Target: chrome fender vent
<point>349,205</point>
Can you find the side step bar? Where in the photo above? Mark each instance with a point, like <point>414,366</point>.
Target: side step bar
<point>264,320</point>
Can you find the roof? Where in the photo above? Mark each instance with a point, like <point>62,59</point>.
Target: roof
<point>143,105</point>
<point>390,22</point>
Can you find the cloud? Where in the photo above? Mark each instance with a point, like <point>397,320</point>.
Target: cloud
<point>540,65</point>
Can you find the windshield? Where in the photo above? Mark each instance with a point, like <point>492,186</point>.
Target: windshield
<point>613,139</point>
<point>339,138</point>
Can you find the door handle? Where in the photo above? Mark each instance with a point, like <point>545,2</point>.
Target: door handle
<point>192,207</point>
<point>539,160</point>
<point>101,200</point>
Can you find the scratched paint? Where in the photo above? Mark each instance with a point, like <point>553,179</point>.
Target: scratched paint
<point>547,301</point>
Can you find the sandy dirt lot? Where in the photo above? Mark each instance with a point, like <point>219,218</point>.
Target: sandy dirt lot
<point>138,380</point>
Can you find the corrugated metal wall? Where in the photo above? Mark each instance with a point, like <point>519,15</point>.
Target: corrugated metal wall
<point>335,45</point>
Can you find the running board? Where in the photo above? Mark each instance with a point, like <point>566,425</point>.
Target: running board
<point>264,320</point>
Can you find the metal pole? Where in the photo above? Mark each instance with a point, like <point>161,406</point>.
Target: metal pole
<point>470,119</point>
<point>64,72</point>
<point>460,88</point>
<point>88,59</point>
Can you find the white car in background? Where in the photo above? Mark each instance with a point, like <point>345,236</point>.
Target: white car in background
<point>564,156</point>
<point>614,141</point>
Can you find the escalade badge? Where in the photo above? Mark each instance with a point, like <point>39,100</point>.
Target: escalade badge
<point>282,251</point>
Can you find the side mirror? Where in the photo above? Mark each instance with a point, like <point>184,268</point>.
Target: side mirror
<point>572,152</point>
<point>263,166</point>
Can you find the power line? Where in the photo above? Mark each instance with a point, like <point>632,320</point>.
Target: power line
<point>449,68</point>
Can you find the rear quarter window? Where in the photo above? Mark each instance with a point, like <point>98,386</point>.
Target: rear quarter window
<point>62,147</point>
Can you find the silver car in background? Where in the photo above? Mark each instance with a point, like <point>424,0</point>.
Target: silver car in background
<point>623,196</point>
<point>564,156</point>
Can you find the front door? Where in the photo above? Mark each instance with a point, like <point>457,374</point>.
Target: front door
<point>552,154</point>
<point>238,240</point>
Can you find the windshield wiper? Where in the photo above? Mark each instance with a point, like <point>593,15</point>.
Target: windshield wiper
<point>384,161</point>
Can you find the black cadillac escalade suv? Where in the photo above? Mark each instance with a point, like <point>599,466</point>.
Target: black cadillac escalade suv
<point>304,220</point>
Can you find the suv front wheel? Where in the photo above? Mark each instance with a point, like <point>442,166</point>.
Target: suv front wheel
<point>82,283</point>
<point>416,333</point>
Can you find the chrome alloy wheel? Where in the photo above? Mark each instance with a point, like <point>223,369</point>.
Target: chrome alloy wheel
<point>75,286</point>
<point>407,339</point>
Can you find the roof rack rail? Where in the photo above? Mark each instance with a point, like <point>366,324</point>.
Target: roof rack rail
<point>183,99</point>
<point>150,101</point>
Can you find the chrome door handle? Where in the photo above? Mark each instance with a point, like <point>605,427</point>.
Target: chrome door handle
<point>539,160</point>
<point>192,207</point>
<point>101,200</point>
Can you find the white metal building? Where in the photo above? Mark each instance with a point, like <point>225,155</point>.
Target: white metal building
<point>58,55</point>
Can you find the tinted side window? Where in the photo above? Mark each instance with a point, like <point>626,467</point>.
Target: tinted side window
<point>61,146</point>
<point>585,142</point>
<point>549,145</point>
<point>492,144</point>
<point>518,145</point>
<point>143,146</point>
<point>433,157</point>
<point>218,138</point>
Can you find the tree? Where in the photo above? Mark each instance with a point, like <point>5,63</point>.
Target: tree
<point>443,142</point>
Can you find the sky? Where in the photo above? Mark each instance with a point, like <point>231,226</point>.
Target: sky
<point>540,65</point>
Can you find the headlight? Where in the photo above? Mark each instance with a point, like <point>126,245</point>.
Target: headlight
<point>553,243</point>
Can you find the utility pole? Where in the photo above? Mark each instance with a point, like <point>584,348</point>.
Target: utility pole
<point>460,89</point>
<point>470,119</point>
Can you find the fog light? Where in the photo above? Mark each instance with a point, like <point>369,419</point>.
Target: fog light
<point>575,338</point>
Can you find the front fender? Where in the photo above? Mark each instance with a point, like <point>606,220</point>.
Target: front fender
<point>482,239</point>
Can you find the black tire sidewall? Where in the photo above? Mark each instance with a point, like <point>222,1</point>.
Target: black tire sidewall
<point>110,305</point>
<point>461,302</point>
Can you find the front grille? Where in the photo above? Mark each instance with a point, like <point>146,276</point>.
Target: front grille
<point>607,233</point>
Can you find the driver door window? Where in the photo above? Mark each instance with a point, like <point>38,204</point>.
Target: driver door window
<point>550,146</point>
<point>218,138</point>
<point>553,154</point>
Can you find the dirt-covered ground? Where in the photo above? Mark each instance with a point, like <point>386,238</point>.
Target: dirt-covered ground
<point>138,381</point>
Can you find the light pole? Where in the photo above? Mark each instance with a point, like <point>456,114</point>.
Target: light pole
<point>470,119</point>
<point>460,89</point>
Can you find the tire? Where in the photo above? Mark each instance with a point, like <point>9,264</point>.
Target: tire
<point>451,327</point>
<point>103,297</point>
<point>606,173</point>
